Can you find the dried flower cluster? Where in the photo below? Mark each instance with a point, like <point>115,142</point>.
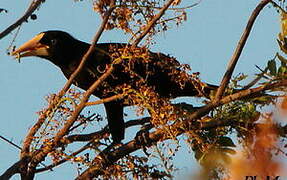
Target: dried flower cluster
<point>133,16</point>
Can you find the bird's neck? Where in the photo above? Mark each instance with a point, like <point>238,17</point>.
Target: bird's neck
<point>72,54</point>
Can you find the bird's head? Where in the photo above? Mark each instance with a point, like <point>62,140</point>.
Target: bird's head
<point>55,46</point>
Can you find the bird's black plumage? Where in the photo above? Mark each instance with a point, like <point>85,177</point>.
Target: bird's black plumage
<point>156,70</point>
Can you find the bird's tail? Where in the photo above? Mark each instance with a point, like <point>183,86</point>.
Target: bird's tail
<point>116,122</point>
<point>196,89</point>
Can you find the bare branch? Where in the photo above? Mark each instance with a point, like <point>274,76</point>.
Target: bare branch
<point>32,7</point>
<point>256,80</point>
<point>10,142</point>
<point>101,133</point>
<point>277,6</point>
<point>65,159</point>
<point>14,169</point>
<point>90,50</point>
<point>234,59</point>
<point>105,100</point>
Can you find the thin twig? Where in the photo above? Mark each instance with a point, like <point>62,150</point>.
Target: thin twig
<point>159,7</point>
<point>10,47</point>
<point>32,7</point>
<point>105,100</point>
<point>256,80</point>
<point>99,134</point>
<point>18,147</point>
<point>65,159</point>
<point>151,24</point>
<point>10,142</point>
<point>277,6</point>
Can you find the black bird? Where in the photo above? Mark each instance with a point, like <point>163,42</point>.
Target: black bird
<point>156,70</point>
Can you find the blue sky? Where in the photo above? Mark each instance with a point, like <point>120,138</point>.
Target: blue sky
<point>205,41</point>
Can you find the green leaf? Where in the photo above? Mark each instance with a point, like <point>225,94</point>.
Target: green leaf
<point>282,70</point>
<point>272,67</point>
<point>225,141</point>
<point>262,100</point>
<point>251,107</point>
<point>282,59</point>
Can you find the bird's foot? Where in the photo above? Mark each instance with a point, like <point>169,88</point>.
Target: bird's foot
<point>142,138</point>
<point>116,144</point>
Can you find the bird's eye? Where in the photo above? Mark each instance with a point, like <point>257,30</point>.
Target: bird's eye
<point>53,41</point>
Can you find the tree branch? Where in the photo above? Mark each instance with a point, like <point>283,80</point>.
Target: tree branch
<point>32,7</point>
<point>234,59</point>
<point>40,155</point>
<point>105,100</point>
<point>88,137</point>
<point>10,142</point>
<point>90,50</point>
<point>49,167</point>
<point>106,158</point>
<point>41,120</point>
<point>11,171</point>
<point>27,143</point>
<point>101,133</point>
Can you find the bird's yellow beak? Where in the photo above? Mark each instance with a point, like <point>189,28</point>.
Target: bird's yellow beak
<point>32,47</point>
